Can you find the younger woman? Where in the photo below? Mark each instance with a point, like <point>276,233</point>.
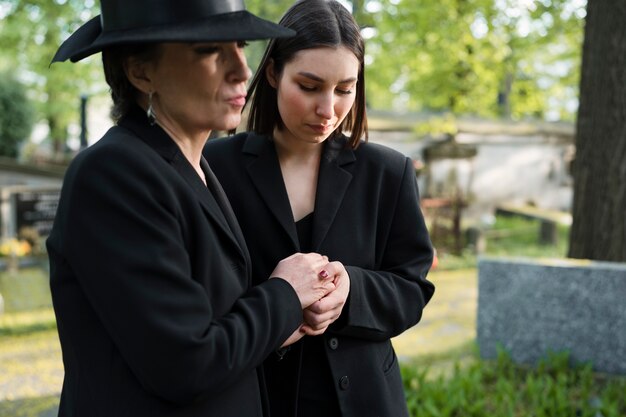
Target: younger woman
<point>298,183</point>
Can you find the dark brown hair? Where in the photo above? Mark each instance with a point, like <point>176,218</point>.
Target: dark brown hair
<point>318,23</point>
<point>123,93</point>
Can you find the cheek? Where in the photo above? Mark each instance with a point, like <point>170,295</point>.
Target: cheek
<point>291,101</point>
<point>343,107</point>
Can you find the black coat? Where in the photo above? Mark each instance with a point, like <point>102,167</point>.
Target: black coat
<point>367,216</point>
<point>152,288</point>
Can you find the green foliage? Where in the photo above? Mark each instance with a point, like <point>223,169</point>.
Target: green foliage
<point>481,57</point>
<point>552,388</point>
<point>442,55</point>
<point>30,33</point>
<point>270,10</point>
<point>437,126</point>
<point>16,115</point>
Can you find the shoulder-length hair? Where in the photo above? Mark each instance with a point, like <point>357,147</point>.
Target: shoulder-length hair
<point>318,23</point>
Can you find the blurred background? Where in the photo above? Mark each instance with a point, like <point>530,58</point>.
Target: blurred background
<point>513,112</point>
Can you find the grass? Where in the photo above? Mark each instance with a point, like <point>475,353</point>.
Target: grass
<point>553,388</point>
<point>509,236</point>
<point>44,406</point>
<point>31,373</point>
<point>515,236</point>
<point>26,322</point>
<point>25,289</point>
<point>31,370</point>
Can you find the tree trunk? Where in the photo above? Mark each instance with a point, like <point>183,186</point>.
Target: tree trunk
<point>599,209</point>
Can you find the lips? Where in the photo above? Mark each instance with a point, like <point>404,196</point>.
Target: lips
<point>239,100</point>
<point>321,128</point>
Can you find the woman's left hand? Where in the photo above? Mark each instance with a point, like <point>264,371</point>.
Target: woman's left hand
<point>321,314</point>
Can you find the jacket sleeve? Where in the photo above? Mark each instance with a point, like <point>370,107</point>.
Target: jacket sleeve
<point>384,302</point>
<point>120,233</point>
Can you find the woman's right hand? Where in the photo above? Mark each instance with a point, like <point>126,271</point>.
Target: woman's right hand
<point>304,272</point>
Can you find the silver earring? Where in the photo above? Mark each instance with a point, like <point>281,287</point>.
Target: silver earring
<point>150,111</point>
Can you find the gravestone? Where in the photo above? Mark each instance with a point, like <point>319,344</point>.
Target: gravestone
<point>36,209</point>
<point>28,207</point>
<point>531,308</point>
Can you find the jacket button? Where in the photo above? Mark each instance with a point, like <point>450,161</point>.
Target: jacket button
<point>344,383</point>
<point>333,343</point>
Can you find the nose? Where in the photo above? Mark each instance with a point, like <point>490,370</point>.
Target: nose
<point>239,71</point>
<point>325,105</point>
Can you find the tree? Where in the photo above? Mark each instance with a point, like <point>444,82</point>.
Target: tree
<point>16,115</point>
<point>30,33</point>
<point>270,10</point>
<point>484,57</point>
<point>599,208</point>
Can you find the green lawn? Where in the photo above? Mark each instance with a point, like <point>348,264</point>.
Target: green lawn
<point>24,290</point>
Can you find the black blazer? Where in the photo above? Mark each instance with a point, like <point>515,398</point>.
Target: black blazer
<point>367,216</point>
<point>152,288</point>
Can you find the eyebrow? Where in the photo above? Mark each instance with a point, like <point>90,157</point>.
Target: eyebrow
<point>321,80</point>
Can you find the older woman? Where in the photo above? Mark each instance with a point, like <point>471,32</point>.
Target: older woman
<point>150,274</point>
<point>298,178</point>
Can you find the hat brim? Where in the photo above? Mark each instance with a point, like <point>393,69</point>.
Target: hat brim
<point>236,26</point>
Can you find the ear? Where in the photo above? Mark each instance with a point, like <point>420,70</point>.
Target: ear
<point>139,75</point>
<point>270,74</point>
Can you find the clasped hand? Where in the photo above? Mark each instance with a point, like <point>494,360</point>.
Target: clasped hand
<point>322,313</point>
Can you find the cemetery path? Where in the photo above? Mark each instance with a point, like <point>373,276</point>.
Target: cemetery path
<point>449,320</point>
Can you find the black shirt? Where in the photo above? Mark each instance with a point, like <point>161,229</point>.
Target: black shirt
<point>316,396</point>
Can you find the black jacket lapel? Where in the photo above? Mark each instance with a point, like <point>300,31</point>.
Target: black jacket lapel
<point>332,183</point>
<point>156,138</point>
<point>206,198</point>
<point>227,210</point>
<point>264,172</point>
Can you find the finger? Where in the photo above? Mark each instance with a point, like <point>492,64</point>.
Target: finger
<point>331,301</point>
<point>315,308</point>
<point>317,320</point>
<point>334,269</point>
<point>328,286</point>
<point>313,332</point>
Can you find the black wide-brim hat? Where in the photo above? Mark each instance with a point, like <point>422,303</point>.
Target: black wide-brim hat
<point>155,21</point>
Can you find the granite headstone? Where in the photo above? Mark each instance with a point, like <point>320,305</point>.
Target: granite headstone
<point>531,308</point>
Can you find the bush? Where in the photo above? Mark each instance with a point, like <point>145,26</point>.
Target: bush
<point>16,115</point>
<point>553,388</point>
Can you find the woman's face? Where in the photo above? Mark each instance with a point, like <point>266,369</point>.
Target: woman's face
<point>315,92</point>
<point>200,86</point>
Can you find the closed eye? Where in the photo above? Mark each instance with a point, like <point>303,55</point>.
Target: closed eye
<point>306,88</point>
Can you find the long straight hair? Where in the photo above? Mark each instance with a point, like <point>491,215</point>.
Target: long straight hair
<point>318,23</point>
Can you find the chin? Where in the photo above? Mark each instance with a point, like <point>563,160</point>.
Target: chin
<point>229,124</point>
<point>319,139</point>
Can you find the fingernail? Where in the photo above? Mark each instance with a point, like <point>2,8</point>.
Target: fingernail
<point>323,273</point>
